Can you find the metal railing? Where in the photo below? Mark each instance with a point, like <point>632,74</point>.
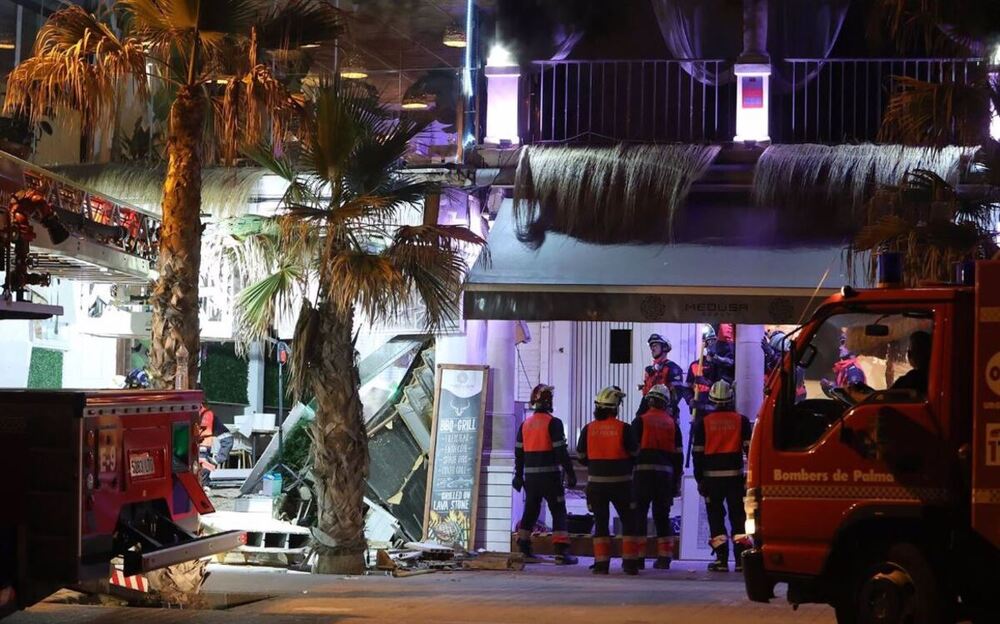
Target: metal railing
<point>844,99</point>
<point>633,100</point>
<point>98,217</point>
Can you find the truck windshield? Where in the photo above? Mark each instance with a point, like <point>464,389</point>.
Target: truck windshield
<point>856,355</point>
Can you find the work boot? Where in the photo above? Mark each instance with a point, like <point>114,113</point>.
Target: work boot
<point>721,563</point>
<point>662,563</point>
<point>640,563</point>
<point>600,567</point>
<point>738,555</point>
<point>524,545</point>
<point>563,556</point>
<point>630,566</point>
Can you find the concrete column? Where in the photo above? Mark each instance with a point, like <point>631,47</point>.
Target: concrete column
<point>749,369</point>
<point>495,508</point>
<point>255,379</point>
<point>502,80</point>
<point>753,75</point>
<point>754,32</point>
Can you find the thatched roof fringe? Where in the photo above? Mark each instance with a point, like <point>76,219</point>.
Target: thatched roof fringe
<point>225,191</point>
<point>845,174</point>
<point>605,194</point>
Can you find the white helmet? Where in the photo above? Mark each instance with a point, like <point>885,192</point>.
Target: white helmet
<point>721,392</point>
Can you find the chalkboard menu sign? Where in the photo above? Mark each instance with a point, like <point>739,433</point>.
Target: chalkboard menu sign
<point>456,450</point>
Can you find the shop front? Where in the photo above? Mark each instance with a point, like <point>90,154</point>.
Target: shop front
<point>577,316</point>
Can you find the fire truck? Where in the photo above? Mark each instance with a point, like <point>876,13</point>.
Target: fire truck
<point>94,475</point>
<point>884,501</point>
<point>88,476</point>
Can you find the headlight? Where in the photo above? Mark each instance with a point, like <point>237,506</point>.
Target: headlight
<point>751,506</point>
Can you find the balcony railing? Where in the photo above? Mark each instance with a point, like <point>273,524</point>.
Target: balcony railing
<point>635,100</point>
<point>812,100</point>
<point>98,218</point>
<point>844,99</point>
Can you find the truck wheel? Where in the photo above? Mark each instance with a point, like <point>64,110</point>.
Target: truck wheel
<point>899,588</point>
<point>180,584</point>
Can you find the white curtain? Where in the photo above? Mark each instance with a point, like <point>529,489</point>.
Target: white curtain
<point>701,29</point>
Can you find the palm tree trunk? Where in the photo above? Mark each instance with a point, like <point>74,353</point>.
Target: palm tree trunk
<point>175,296</point>
<point>340,447</point>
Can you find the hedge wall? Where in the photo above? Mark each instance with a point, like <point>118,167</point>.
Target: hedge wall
<point>46,368</point>
<point>224,375</point>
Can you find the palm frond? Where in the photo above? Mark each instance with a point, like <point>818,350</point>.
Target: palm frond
<point>260,306</point>
<point>79,64</point>
<point>371,281</point>
<point>433,260</point>
<point>937,114</point>
<point>288,25</point>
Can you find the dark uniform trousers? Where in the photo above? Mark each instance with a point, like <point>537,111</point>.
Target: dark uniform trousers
<point>545,486</point>
<point>654,488</point>
<point>725,493</point>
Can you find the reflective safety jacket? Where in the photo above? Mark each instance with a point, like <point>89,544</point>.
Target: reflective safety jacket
<point>720,440</point>
<point>659,437</point>
<point>607,448</point>
<point>662,371</point>
<point>540,448</point>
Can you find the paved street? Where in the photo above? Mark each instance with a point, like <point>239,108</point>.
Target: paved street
<point>540,595</point>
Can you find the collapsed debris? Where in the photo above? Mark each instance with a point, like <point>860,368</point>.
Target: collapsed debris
<point>417,558</point>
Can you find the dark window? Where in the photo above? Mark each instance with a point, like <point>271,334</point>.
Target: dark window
<point>621,346</point>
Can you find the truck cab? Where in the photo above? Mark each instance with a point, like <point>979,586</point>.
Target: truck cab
<point>871,492</point>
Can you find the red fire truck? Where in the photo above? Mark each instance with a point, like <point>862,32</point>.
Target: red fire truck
<point>884,501</point>
<point>93,475</point>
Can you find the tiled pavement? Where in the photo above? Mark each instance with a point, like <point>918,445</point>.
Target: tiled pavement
<point>539,595</point>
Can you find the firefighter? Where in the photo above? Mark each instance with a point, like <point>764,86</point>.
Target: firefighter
<point>720,352</point>
<point>607,448</point>
<point>212,432</point>
<point>721,440</point>
<point>539,452</point>
<point>774,344</point>
<point>846,370</point>
<point>662,371</point>
<point>702,373</point>
<point>658,471</point>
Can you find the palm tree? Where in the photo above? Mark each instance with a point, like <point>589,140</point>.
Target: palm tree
<point>210,57</point>
<point>930,221</point>
<point>341,249</point>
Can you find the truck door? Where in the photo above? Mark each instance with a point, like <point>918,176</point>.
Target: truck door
<point>986,411</point>
<point>876,449</point>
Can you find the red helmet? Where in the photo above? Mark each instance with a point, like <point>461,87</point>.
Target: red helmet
<point>541,397</point>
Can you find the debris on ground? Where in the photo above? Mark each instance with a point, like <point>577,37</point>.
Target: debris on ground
<point>424,558</point>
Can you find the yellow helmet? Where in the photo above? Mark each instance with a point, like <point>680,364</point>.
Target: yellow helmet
<point>609,397</point>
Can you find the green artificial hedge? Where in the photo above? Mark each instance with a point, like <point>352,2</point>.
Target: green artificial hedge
<point>46,369</point>
<point>224,374</point>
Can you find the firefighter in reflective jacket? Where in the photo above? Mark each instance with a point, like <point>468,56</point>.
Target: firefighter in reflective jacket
<point>721,440</point>
<point>663,371</point>
<point>607,448</point>
<point>658,471</point>
<point>539,453</point>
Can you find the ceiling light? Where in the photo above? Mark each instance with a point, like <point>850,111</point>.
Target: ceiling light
<point>309,46</point>
<point>352,69</point>
<point>415,102</point>
<point>7,45</point>
<point>454,38</point>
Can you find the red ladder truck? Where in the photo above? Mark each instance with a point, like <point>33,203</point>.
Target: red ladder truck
<point>884,501</point>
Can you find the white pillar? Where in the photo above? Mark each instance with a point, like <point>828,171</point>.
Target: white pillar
<point>255,379</point>
<point>749,369</point>
<point>502,80</point>
<point>495,509</point>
